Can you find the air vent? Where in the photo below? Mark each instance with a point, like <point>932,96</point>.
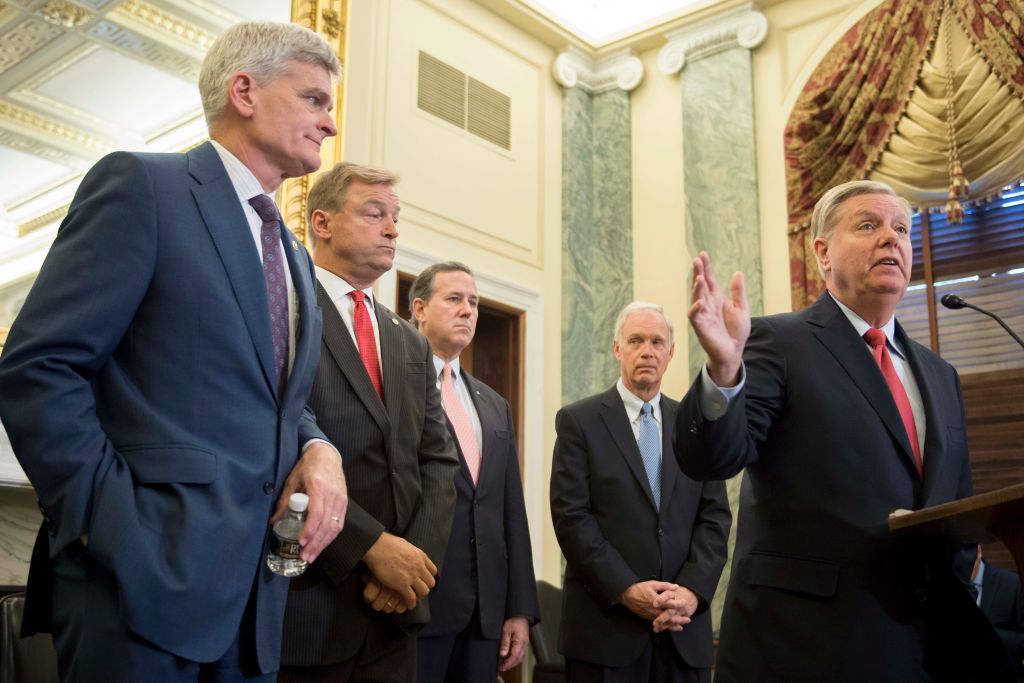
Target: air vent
<point>449,94</point>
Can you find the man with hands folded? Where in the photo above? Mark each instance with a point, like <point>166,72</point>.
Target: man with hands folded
<point>644,544</point>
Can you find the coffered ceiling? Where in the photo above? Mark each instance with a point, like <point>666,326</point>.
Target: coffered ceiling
<point>81,78</point>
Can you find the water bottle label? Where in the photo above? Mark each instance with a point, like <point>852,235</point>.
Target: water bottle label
<point>284,547</point>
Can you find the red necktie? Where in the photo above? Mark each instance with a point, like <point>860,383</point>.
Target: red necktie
<point>880,350</point>
<point>366,341</point>
<point>461,421</point>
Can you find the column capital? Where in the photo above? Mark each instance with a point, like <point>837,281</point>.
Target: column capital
<point>745,27</point>
<point>622,70</point>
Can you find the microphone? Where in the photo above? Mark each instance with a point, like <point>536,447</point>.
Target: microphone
<point>953,302</point>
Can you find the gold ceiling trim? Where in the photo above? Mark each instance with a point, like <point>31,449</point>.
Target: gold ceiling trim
<point>50,128</point>
<point>165,23</point>
<point>45,219</point>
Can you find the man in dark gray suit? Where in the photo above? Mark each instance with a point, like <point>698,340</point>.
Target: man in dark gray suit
<point>644,544</point>
<point>481,610</point>
<point>355,613</point>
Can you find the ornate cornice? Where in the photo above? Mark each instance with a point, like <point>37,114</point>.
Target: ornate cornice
<point>622,70</point>
<point>50,129</point>
<point>165,23</point>
<point>744,27</point>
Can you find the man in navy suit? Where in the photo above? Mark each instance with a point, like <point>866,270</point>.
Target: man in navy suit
<point>644,544</point>
<point>486,597</point>
<point>997,593</point>
<point>154,385</point>
<point>838,418</point>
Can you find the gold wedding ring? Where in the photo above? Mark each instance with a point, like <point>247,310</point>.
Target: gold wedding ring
<point>335,518</point>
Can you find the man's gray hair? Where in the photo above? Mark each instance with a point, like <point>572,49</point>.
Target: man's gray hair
<point>263,50</point>
<point>826,211</point>
<point>331,188</point>
<point>636,307</point>
<point>423,285</point>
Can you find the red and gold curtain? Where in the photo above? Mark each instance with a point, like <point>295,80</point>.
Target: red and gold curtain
<point>851,106</point>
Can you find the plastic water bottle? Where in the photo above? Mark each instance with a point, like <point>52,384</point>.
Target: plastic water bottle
<point>283,557</point>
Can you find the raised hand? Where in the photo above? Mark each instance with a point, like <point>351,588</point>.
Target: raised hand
<point>721,323</point>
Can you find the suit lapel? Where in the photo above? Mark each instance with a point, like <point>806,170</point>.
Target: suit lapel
<point>229,229</point>
<point>488,415</point>
<point>613,413</point>
<point>392,360</point>
<point>343,349</point>
<point>307,349</point>
<point>934,455</point>
<point>840,339</point>
<point>669,470</point>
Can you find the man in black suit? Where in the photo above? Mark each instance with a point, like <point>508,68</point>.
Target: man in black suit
<point>835,433</point>
<point>486,597</point>
<point>644,544</point>
<point>354,614</point>
<point>997,593</point>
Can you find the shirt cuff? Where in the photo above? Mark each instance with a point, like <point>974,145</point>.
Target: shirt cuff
<point>714,400</point>
<point>313,441</point>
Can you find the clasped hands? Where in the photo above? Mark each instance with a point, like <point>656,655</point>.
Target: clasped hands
<point>668,606</point>
<point>400,575</point>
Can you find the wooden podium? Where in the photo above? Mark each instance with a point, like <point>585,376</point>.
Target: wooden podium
<point>982,518</point>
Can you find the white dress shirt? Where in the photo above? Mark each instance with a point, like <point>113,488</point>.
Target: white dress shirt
<point>634,404</point>
<point>337,290</point>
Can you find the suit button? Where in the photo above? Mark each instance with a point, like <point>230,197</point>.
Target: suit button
<point>661,532</point>
<point>268,487</point>
<point>476,504</point>
<point>693,428</point>
<point>50,526</point>
<point>472,540</point>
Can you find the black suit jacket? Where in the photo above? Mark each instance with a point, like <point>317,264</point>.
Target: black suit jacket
<point>612,536</point>
<point>489,561</point>
<point>820,589</point>
<point>399,466</point>
<point>1003,604</point>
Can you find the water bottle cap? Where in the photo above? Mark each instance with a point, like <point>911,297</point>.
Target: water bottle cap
<point>298,502</point>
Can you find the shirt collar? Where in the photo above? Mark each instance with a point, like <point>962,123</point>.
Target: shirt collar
<point>439,365</point>
<point>634,403</point>
<point>862,325</point>
<point>338,289</point>
<point>980,575</point>
<point>242,179</point>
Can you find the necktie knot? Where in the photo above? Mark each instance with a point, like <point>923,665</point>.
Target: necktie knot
<point>647,410</point>
<point>357,296</point>
<point>446,371</point>
<point>264,207</point>
<point>875,337</point>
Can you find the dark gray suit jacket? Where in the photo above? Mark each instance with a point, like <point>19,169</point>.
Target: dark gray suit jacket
<point>399,466</point>
<point>489,561</point>
<point>612,536</point>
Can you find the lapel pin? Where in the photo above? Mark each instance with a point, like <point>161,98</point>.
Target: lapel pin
<point>394,320</point>
<point>295,245</point>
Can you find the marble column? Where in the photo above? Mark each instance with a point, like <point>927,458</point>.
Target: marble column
<point>720,168</point>
<point>597,227</point>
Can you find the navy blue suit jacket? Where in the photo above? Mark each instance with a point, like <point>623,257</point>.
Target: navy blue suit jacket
<point>488,561</point>
<point>820,589</point>
<point>613,536</point>
<point>137,389</point>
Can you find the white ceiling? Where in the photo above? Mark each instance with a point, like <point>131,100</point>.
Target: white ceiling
<point>599,21</point>
<point>79,78</point>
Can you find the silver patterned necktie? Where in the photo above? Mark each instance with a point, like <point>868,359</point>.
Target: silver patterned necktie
<point>650,450</point>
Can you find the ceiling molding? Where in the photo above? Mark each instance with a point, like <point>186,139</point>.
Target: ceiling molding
<point>48,129</point>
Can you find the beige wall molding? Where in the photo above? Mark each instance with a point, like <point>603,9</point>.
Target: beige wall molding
<point>743,27</point>
<point>622,70</point>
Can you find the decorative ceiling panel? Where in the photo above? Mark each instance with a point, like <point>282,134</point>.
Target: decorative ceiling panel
<point>22,172</point>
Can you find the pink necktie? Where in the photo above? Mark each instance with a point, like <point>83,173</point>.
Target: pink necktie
<point>365,340</point>
<point>460,421</point>
<point>876,338</point>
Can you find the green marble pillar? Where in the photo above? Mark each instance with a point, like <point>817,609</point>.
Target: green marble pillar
<point>720,171</point>
<point>597,239</point>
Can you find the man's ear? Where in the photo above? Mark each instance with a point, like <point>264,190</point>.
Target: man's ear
<point>417,309</point>
<point>320,224</point>
<point>821,253</point>
<point>241,94</point>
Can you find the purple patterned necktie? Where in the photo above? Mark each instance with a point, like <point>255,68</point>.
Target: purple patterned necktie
<point>277,287</point>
